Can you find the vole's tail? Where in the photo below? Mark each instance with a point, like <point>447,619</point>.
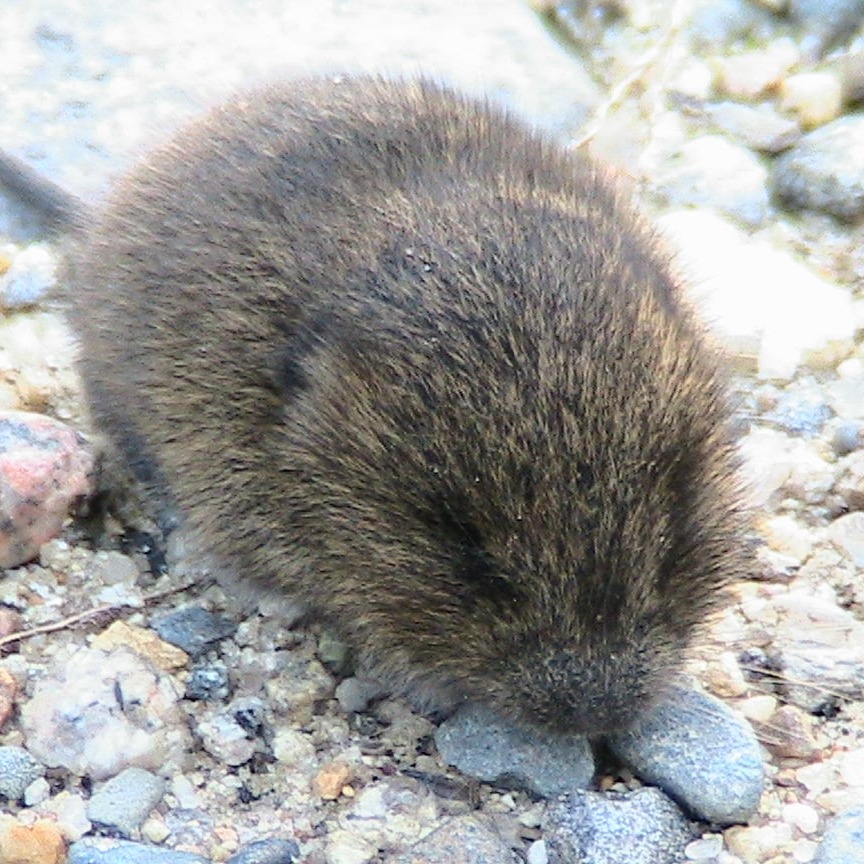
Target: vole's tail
<point>62,210</point>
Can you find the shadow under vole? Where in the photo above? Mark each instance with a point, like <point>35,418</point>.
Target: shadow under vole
<point>397,356</point>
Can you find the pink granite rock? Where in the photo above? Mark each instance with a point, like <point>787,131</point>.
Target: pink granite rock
<point>45,466</point>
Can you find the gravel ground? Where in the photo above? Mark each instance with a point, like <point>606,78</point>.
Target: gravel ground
<point>741,129</point>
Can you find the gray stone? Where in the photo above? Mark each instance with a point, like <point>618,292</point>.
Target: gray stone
<point>698,751</point>
<point>193,629</point>
<point>711,171</point>
<point>847,437</point>
<point>719,22</point>
<point>758,127</point>
<point>18,769</point>
<point>102,850</point>
<point>825,170</point>
<point>825,23</point>
<point>640,827</point>
<point>800,416</point>
<point>466,840</point>
<point>491,749</point>
<point>843,842</point>
<point>355,694</point>
<point>271,851</point>
<point>126,800</point>
<point>208,683</point>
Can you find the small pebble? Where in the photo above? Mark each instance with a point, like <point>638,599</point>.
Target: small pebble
<point>45,467</point>
<point>750,75</point>
<point>804,817</point>
<point>271,851</point>
<point>193,629</point>
<point>31,276</point>
<point>334,653</point>
<point>8,691</point>
<point>489,748</point>
<point>711,171</point>
<point>37,792</point>
<point>331,779</point>
<point>537,853</point>
<point>143,642</point>
<point>104,850</point>
<point>824,23</point>
<point>800,415</point>
<point>700,752</point>
<point>345,848</point>
<point>223,737</point>
<point>18,769</point>
<point>815,98</point>
<point>847,437</point>
<point>818,644</point>
<point>791,733</point>
<point>706,848</point>
<point>208,683</point>
<point>463,840</point>
<point>640,827</point>
<point>758,127</point>
<point>37,843</point>
<point>125,801</point>
<point>70,811</point>
<point>843,842</point>
<point>355,694</point>
<point>825,170</point>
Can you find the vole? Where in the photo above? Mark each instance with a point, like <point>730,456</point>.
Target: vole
<point>392,353</point>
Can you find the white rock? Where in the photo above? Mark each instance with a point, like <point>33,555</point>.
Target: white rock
<point>852,767</point>
<point>751,73</point>
<point>802,816</point>
<point>537,853</point>
<point>98,713</point>
<point>223,737</point>
<point>37,792</point>
<point>847,533</point>
<point>343,847</point>
<point>813,97</point>
<point>758,300</point>
<point>295,749</point>
<point>758,708</point>
<point>785,535</point>
<point>70,812</point>
<point>775,461</point>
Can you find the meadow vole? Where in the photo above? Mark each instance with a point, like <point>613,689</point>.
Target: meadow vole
<point>399,357</point>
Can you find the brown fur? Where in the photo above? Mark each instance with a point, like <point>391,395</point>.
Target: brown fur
<point>405,360</point>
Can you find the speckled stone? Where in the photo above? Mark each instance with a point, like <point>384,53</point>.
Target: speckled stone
<point>18,769</point>
<point>96,714</point>
<point>271,851</point>
<point>103,850</point>
<point>843,842</point>
<point>466,840</point>
<point>641,827</point>
<point>489,748</point>
<point>700,752</point>
<point>209,682</point>
<point>825,170</point>
<point>125,801</point>
<point>44,467</point>
<point>193,629</point>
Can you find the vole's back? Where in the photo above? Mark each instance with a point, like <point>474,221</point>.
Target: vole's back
<point>391,352</point>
